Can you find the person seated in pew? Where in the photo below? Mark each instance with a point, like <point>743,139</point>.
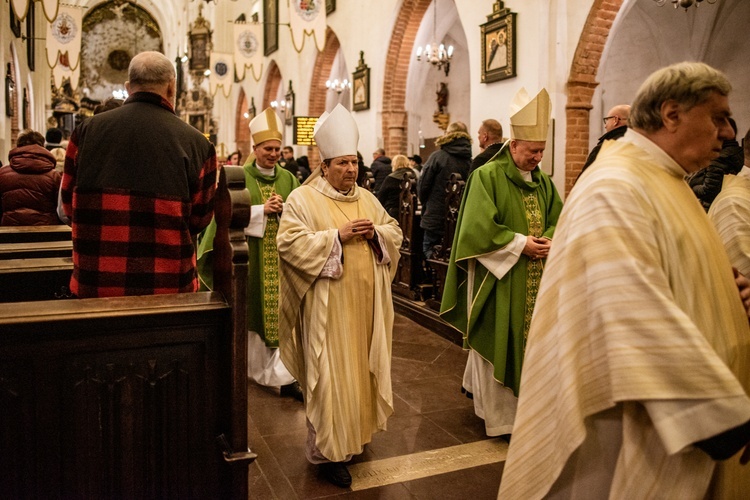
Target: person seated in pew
<point>390,191</point>
<point>144,184</point>
<point>29,184</point>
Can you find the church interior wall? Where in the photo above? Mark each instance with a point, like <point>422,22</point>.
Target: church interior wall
<point>644,37</point>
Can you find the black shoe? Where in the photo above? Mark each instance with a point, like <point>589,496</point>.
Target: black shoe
<point>292,390</point>
<point>468,394</point>
<point>336,473</point>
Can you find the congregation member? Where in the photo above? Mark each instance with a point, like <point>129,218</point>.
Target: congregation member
<point>615,126</point>
<point>452,157</point>
<point>29,184</point>
<point>138,187</point>
<point>235,158</point>
<point>380,168</point>
<point>390,192</point>
<point>288,161</point>
<point>53,138</point>
<point>636,378</point>
<point>269,186</point>
<point>707,182</point>
<point>730,213</point>
<point>416,164</point>
<point>490,136</point>
<point>339,253</point>
<point>503,234</point>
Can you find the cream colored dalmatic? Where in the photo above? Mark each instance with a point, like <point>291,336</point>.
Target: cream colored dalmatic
<point>638,346</point>
<point>730,213</point>
<point>339,348</point>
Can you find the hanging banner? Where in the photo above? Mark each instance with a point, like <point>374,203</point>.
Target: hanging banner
<point>61,72</point>
<point>50,8</point>
<point>64,37</point>
<point>21,8</point>
<point>247,50</point>
<point>221,73</point>
<point>308,17</point>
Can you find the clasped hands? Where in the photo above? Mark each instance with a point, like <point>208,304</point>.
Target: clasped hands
<point>357,227</point>
<point>536,248</point>
<point>273,205</point>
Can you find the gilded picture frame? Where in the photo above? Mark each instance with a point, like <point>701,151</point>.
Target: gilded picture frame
<point>499,46</point>
<point>361,85</point>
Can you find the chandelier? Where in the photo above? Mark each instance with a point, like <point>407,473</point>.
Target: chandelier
<point>338,86</point>
<point>436,54</point>
<point>684,3</point>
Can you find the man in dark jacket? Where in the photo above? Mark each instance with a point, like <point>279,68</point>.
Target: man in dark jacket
<point>490,137</point>
<point>615,126</point>
<point>454,156</point>
<point>144,184</point>
<point>29,184</point>
<point>380,168</point>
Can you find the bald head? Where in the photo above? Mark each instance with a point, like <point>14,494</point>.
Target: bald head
<point>151,72</point>
<point>617,117</point>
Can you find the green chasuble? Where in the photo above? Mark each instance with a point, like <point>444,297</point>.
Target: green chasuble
<point>497,204</point>
<point>263,266</point>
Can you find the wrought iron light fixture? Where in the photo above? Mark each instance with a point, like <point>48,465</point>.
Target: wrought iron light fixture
<point>437,54</point>
<point>685,4</point>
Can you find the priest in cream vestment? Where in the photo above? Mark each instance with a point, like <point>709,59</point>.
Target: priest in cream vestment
<point>635,382</point>
<point>339,251</point>
<point>730,213</point>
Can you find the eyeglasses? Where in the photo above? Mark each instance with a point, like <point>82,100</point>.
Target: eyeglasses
<point>607,118</point>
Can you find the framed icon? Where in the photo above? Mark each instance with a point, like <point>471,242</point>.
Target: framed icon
<point>361,85</point>
<point>499,45</point>
<point>330,6</point>
<point>289,109</point>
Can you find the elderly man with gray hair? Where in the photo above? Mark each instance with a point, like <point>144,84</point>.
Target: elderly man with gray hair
<point>636,379</point>
<point>138,187</point>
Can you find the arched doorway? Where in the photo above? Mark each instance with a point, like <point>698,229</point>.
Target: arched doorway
<point>318,92</point>
<point>242,124</point>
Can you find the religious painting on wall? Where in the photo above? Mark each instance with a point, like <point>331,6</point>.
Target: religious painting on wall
<point>289,109</point>
<point>270,26</point>
<point>499,45</point>
<point>330,6</point>
<point>30,36</point>
<point>361,85</point>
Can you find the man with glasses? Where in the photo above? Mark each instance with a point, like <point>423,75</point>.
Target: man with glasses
<point>615,126</point>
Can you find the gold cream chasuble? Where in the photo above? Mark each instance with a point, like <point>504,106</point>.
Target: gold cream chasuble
<point>730,213</point>
<point>340,346</point>
<point>639,343</point>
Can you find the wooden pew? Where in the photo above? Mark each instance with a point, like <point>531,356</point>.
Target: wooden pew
<point>437,264</point>
<point>35,279</point>
<point>27,234</point>
<point>369,181</point>
<point>132,397</point>
<point>410,279</point>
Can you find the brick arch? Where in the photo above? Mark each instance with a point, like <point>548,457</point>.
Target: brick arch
<point>394,115</point>
<point>242,125</point>
<point>321,72</point>
<point>582,83</point>
<point>273,82</point>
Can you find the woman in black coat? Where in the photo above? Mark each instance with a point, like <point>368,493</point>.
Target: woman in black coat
<point>390,190</point>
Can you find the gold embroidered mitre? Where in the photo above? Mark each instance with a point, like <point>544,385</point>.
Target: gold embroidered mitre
<point>266,126</point>
<point>529,118</point>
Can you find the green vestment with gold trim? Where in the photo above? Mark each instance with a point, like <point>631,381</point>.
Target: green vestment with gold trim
<point>263,265</point>
<point>497,204</point>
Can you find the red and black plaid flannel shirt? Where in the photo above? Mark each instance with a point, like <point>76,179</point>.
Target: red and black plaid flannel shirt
<point>136,241</point>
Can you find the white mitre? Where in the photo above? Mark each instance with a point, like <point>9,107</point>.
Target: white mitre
<point>336,133</point>
<point>529,118</point>
<point>266,126</point>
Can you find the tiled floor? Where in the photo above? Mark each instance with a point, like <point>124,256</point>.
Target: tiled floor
<point>430,414</point>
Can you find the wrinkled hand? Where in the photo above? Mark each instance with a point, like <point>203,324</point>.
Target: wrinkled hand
<point>536,248</point>
<point>357,227</point>
<point>273,205</point>
<point>743,285</point>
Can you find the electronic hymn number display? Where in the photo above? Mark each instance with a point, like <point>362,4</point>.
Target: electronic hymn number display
<point>303,130</point>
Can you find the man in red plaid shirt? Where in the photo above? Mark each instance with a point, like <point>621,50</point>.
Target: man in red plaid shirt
<point>138,186</point>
